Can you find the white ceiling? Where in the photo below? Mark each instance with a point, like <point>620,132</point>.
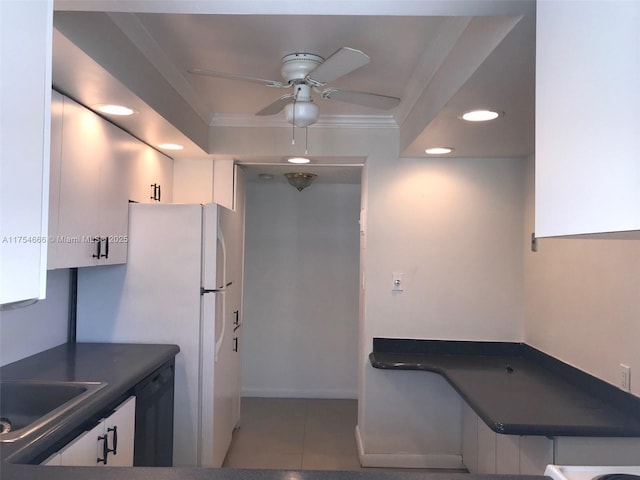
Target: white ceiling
<point>441,58</point>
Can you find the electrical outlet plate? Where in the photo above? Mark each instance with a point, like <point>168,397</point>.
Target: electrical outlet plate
<point>625,377</point>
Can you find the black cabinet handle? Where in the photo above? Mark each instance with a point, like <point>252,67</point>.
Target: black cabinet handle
<point>115,439</point>
<point>157,192</point>
<point>106,250</point>
<point>105,450</point>
<point>235,344</point>
<point>97,254</point>
<point>236,320</point>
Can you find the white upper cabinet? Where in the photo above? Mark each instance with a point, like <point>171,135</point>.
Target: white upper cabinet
<point>224,183</point>
<point>92,192</point>
<point>25,76</point>
<point>151,176</point>
<point>587,117</point>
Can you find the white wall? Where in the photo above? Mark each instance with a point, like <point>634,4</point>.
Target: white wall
<point>29,330</point>
<point>301,291</point>
<point>582,298</point>
<point>454,228</point>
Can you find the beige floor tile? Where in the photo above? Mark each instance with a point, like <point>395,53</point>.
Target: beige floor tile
<point>279,439</point>
<point>295,434</point>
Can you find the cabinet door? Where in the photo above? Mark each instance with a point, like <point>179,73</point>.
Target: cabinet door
<point>57,109</point>
<point>93,200</point>
<point>487,444</point>
<point>149,168</point>
<point>587,122</point>
<point>119,428</point>
<point>83,147</point>
<point>92,448</point>
<point>25,76</point>
<point>224,183</point>
<point>114,201</point>
<point>536,452</point>
<point>469,438</point>
<point>87,450</point>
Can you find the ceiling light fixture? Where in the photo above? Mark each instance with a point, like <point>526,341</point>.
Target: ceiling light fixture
<point>170,146</point>
<point>300,180</point>
<point>301,113</point>
<point>438,150</point>
<point>111,109</point>
<point>481,115</point>
<point>265,176</point>
<point>298,160</point>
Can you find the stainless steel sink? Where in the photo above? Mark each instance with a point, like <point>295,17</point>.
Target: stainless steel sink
<point>26,405</point>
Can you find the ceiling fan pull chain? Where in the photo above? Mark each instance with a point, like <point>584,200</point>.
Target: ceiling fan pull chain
<point>306,140</point>
<point>293,124</point>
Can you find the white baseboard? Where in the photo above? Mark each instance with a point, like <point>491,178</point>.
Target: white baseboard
<point>406,460</point>
<point>294,393</point>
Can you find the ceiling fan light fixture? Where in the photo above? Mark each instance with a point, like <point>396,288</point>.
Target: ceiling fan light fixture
<point>302,114</point>
<point>300,180</point>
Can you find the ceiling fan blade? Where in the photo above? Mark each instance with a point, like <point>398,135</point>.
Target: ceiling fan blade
<point>344,61</point>
<point>362,98</point>
<point>276,106</point>
<point>233,76</point>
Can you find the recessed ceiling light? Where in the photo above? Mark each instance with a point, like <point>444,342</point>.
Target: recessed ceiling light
<point>170,146</point>
<point>298,160</point>
<point>481,115</point>
<point>114,110</point>
<point>265,176</point>
<point>438,150</point>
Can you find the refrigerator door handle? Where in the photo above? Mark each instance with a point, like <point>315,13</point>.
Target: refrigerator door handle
<point>218,344</point>
<point>209,290</point>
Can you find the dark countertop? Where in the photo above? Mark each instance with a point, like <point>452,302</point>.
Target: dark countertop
<point>516,389</point>
<point>123,366</point>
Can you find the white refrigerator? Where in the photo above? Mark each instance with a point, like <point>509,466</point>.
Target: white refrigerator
<point>172,290</point>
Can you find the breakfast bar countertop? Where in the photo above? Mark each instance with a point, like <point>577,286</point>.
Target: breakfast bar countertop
<point>516,389</point>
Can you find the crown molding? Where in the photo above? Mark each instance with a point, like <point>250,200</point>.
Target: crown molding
<point>325,121</point>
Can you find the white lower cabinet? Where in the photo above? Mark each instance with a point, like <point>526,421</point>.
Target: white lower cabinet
<point>487,452</point>
<point>108,443</point>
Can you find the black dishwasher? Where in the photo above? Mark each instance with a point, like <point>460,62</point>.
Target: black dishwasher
<point>153,443</point>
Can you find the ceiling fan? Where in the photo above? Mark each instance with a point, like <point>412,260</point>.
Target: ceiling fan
<point>307,72</point>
